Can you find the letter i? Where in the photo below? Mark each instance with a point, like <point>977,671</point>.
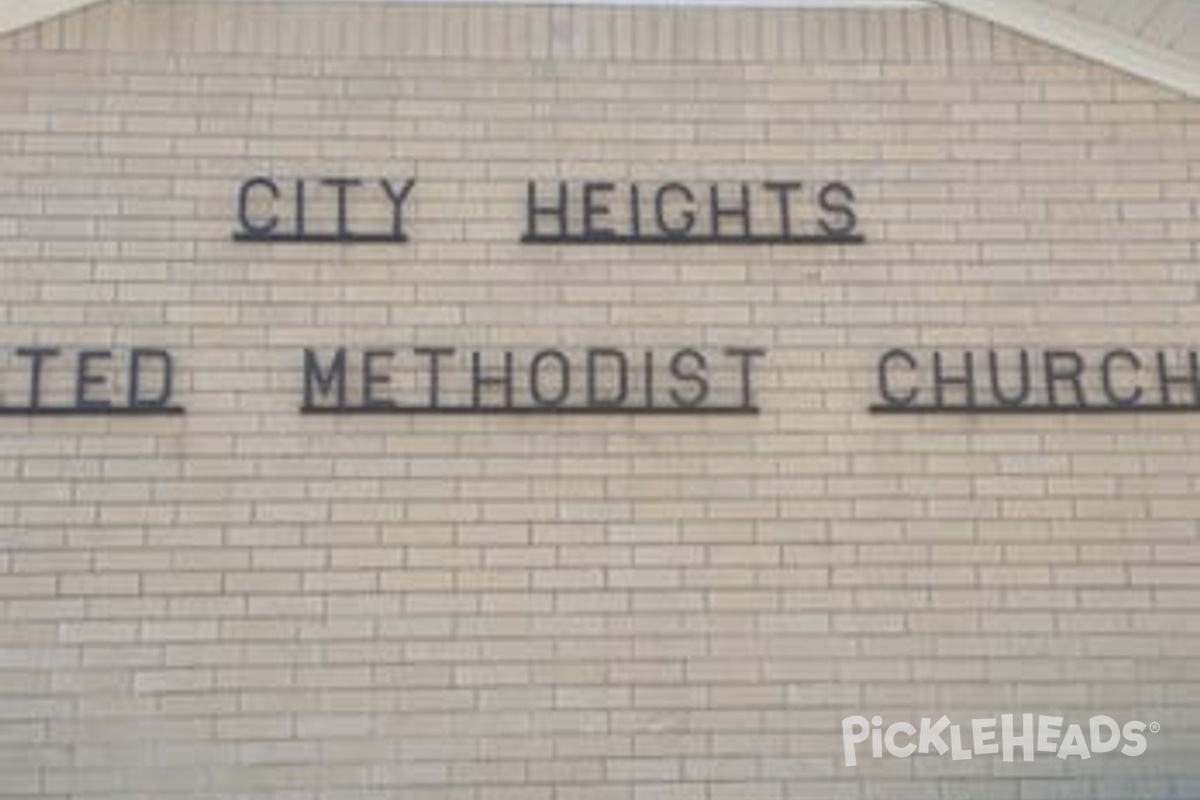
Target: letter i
<point>635,211</point>
<point>649,387</point>
<point>876,736</point>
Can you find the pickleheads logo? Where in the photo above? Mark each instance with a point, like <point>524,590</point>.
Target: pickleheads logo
<point>989,737</point>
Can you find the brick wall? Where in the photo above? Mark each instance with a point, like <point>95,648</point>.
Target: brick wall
<point>246,602</point>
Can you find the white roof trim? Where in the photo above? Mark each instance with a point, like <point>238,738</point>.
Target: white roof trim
<point>17,14</point>
<point>818,4</point>
<point>1033,18</point>
<point>1087,38</point>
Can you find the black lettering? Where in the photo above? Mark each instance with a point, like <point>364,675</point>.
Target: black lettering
<point>740,211</point>
<point>136,370</point>
<point>371,378</point>
<point>994,373</point>
<point>592,208</point>
<point>941,380</point>
<point>648,382</point>
<point>635,211</point>
<point>593,396</point>
<point>535,378</point>
<point>695,374</point>
<point>885,388</point>
<point>557,212</point>
<point>835,199</point>
<point>1166,379</point>
<point>747,356</point>
<point>783,191</point>
<point>248,226</point>
<point>479,380</point>
<point>324,382</point>
<point>687,214</point>
<point>341,185</point>
<point>1106,370</point>
<point>435,354</point>
<point>1063,366</point>
<point>84,378</point>
<point>299,209</point>
<point>397,198</point>
<point>37,356</point>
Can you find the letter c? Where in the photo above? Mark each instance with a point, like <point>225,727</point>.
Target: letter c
<point>889,740</point>
<point>885,390</point>
<point>249,229</point>
<point>1106,373</point>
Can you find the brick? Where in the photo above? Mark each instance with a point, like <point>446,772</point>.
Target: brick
<point>250,603</point>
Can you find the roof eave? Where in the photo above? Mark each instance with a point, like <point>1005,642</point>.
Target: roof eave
<point>1090,39</point>
<point>18,14</point>
<point>1035,19</point>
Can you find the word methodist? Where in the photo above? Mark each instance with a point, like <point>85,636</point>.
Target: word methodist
<point>597,380</point>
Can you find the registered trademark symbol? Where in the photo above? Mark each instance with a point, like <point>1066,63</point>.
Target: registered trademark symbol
<point>1155,727</point>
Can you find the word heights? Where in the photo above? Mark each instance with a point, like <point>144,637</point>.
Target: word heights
<point>676,212</point>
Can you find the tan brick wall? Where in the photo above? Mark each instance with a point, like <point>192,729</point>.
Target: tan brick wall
<point>248,603</point>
